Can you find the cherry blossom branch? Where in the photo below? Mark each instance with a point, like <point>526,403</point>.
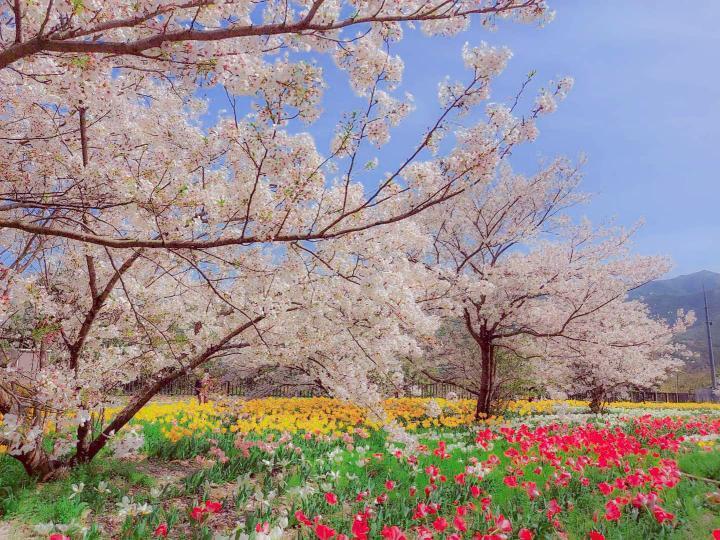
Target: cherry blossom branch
<point>64,43</point>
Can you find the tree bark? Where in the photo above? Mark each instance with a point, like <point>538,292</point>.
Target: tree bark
<point>484,339</point>
<point>484,400</point>
<point>597,401</point>
<point>38,464</point>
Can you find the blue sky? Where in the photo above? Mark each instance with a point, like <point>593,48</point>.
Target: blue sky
<point>645,110</point>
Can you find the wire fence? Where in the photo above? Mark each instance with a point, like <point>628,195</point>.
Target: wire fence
<point>668,397</point>
<point>185,386</point>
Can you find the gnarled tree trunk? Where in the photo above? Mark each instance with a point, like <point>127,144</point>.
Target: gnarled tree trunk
<point>598,400</point>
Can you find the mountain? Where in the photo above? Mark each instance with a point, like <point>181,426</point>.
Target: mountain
<point>665,296</point>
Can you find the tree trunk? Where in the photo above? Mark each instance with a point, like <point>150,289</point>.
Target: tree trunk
<point>484,400</point>
<point>160,381</point>
<point>39,465</point>
<point>597,401</point>
<point>37,462</point>
<point>484,339</point>
<point>83,443</point>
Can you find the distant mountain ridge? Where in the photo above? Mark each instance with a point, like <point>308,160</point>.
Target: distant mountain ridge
<point>680,286</point>
<point>665,296</point>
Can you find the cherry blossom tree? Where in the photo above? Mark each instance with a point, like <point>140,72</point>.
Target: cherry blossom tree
<point>124,78</point>
<point>159,316</point>
<point>452,357</point>
<point>526,279</point>
<point>143,235</point>
<point>616,350</point>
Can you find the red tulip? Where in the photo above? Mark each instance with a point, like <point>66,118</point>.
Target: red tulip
<point>510,481</point>
<point>612,511</point>
<point>324,532</point>
<point>360,528</point>
<point>302,518</point>
<point>553,508</point>
<point>213,507</point>
<point>661,516</point>
<point>532,490</point>
<point>197,513</point>
<point>503,523</point>
<point>392,533</point>
<point>161,530</point>
<point>526,534</point>
<point>440,524</point>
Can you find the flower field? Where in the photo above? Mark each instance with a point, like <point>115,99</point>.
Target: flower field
<point>320,468</point>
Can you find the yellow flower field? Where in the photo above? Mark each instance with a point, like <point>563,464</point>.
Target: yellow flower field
<point>319,415</point>
<point>331,416</point>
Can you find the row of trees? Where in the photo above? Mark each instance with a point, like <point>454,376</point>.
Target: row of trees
<point>143,236</point>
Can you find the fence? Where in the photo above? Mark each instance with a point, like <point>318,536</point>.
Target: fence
<point>185,386</point>
<point>668,397</point>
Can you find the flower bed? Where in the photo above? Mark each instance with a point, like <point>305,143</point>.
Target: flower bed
<point>318,468</point>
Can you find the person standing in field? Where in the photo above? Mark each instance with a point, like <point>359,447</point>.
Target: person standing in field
<point>202,388</point>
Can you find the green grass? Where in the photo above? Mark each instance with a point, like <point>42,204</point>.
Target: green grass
<point>32,502</point>
<point>702,463</point>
